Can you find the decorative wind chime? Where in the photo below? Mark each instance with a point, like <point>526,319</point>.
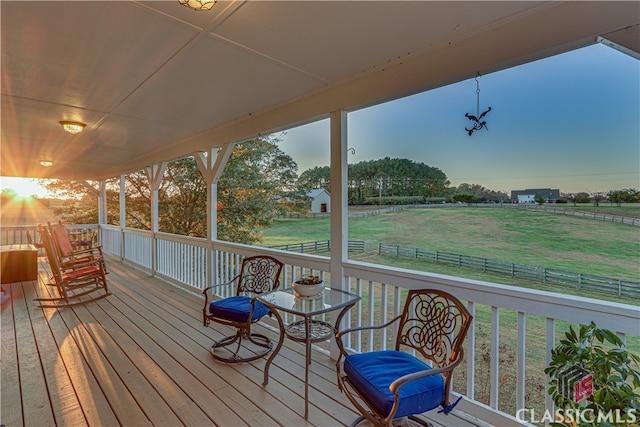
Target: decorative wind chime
<point>478,123</point>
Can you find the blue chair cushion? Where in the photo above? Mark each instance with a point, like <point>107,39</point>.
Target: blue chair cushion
<point>372,373</point>
<point>238,308</point>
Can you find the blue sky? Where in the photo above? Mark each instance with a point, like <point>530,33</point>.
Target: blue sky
<point>570,122</point>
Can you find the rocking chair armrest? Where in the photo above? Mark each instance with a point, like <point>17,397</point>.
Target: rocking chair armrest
<point>399,382</point>
<point>89,251</point>
<point>88,263</point>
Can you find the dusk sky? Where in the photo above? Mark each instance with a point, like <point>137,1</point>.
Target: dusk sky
<point>570,122</point>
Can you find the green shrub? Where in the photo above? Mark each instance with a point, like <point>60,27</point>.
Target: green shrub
<point>615,376</point>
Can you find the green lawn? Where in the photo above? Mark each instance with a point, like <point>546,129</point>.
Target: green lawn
<point>528,237</point>
<point>534,238</point>
<point>631,210</point>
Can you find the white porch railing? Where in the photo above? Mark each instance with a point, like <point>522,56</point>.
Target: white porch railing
<point>17,234</point>
<point>530,319</point>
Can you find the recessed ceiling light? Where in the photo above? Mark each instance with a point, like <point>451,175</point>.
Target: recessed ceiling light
<point>198,4</point>
<point>46,163</point>
<point>72,127</point>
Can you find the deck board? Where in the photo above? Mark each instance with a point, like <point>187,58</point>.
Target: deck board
<point>10,398</point>
<point>32,381</point>
<point>141,357</point>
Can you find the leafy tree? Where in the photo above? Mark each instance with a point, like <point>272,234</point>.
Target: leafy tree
<point>386,178</point>
<point>7,195</point>
<point>570,197</point>
<point>597,198</point>
<point>628,195</point>
<point>182,199</point>
<point>463,198</point>
<point>317,177</point>
<point>615,374</point>
<point>481,193</point>
<point>80,205</point>
<point>616,196</point>
<point>137,200</point>
<point>257,175</point>
<point>582,197</point>
<point>397,177</point>
<point>539,199</point>
<point>633,195</point>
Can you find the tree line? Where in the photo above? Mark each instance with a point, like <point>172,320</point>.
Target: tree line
<point>259,182</point>
<point>626,195</point>
<point>398,181</point>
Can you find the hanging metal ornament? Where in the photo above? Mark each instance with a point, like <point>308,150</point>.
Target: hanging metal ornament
<point>478,123</point>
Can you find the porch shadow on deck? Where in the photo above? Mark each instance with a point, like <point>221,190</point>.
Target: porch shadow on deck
<point>141,357</point>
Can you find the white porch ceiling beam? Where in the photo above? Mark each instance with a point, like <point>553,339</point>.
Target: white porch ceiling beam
<point>556,28</point>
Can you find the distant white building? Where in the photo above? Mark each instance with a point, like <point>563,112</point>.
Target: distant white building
<point>529,195</point>
<point>320,200</point>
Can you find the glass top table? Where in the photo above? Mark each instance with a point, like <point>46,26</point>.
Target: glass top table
<point>306,328</point>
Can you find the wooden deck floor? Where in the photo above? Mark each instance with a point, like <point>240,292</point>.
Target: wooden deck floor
<point>141,357</point>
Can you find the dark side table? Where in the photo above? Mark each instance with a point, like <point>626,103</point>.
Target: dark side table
<point>19,263</point>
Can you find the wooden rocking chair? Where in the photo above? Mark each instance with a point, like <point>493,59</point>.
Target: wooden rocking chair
<point>68,256</point>
<point>80,283</point>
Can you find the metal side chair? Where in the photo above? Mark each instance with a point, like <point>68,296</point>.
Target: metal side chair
<point>258,274</point>
<point>390,386</point>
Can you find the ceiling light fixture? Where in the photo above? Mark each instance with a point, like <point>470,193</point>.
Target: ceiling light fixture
<point>46,163</point>
<point>198,4</point>
<point>72,127</point>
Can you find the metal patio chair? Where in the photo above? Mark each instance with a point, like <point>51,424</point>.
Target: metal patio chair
<point>390,386</point>
<point>258,274</point>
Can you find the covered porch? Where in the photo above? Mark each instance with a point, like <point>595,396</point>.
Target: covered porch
<point>141,357</point>
<point>147,341</point>
<point>194,84</point>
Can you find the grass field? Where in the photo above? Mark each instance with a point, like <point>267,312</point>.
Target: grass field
<point>534,238</point>
<point>628,209</point>
<point>528,237</point>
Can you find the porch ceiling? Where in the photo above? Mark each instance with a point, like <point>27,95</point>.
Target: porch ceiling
<point>156,81</point>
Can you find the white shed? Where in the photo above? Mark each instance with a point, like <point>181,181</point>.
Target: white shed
<point>320,200</point>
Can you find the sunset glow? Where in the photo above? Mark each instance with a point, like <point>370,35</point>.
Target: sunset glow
<point>23,187</point>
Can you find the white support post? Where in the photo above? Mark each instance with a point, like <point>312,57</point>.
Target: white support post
<point>211,166</point>
<point>471,352</point>
<point>123,214</point>
<point>102,208</point>
<point>339,208</point>
<point>494,391</point>
<point>123,201</point>
<point>551,344</point>
<point>155,174</point>
<point>521,361</point>
<point>100,194</point>
<point>102,203</point>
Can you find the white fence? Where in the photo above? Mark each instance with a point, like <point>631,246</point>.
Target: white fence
<point>501,312</point>
<point>184,260</point>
